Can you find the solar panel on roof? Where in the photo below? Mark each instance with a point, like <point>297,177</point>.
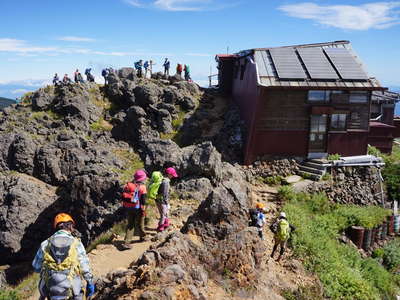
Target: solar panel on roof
<point>318,66</point>
<point>287,63</point>
<point>346,64</point>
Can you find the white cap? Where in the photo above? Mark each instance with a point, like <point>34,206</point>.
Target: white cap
<point>282,215</point>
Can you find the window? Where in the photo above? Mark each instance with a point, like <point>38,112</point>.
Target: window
<point>318,96</point>
<point>338,122</point>
<point>358,97</point>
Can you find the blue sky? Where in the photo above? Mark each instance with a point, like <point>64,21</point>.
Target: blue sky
<point>39,38</point>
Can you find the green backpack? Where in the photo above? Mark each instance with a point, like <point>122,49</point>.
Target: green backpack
<point>283,231</point>
<point>155,182</point>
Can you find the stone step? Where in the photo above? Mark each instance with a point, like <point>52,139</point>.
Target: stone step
<point>313,165</point>
<point>308,175</point>
<point>319,161</point>
<point>311,170</point>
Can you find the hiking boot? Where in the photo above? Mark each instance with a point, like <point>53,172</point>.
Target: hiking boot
<point>166,223</point>
<point>143,239</point>
<point>125,246</point>
<point>160,228</point>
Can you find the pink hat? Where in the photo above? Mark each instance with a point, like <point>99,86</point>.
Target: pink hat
<point>171,171</point>
<point>140,175</point>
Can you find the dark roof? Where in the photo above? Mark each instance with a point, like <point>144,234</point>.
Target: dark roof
<point>272,61</point>
<point>4,102</point>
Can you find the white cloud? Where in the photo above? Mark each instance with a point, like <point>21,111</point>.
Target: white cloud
<point>377,15</point>
<point>26,82</point>
<point>135,3</point>
<point>75,39</point>
<point>13,45</point>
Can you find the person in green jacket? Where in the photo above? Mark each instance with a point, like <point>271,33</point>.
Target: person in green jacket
<point>159,191</point>
<point>281,229</point>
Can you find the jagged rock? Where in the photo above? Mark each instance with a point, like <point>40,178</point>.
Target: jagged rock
<point>43,99</point>
<point>21,223</point>
<point>175,78</point>
<point>128,73</point>
<point>47,165</point>
<point>194,188</point>
<point>190,87</point>
<point>22,153</point>
<point>5,142</point>
<point>187,103</point>
<point>171,95</point>
<point>147,94</point>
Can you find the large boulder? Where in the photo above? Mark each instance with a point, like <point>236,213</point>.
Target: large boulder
<point>27,208</point>
<point>147,94</point>
<point>6,139</point>
<point>22,153</point>
<point>43,98</point>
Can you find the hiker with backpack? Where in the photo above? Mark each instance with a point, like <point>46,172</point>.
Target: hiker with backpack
<point>186,70</point>
<point>89,76</point>
<point>179,70</point>
<point>62,263</point>
<point>66,79</point>
<point>56,80</point>
<point>138,67</point>
<point>166,66</point>
<point>134,203</point>
<point>159,191</point>
<point>105,73</point>
<point>257,218</point>
<point>146,67</point>
<point>281,229</point>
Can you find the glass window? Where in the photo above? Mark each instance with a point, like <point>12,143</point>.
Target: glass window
<point>358,97</point>
<point>321,96</point>
<point>338,121</point>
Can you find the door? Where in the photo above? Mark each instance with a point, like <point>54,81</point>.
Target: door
<point>317,137</point>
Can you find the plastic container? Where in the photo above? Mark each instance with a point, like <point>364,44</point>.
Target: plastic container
<point>396,225</point>
<point>367,239</point>
<point>356,235</point>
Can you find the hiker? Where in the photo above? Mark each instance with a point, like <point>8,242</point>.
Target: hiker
<point>66,79</point>
<point>179,70</point>
<point>134,203</point>
<point>151,67</point>
<point>89,76</point>
<point>159,190</point>
<point>146,66</point>
<point>62,262</point>
<point>76,76</point>
<point>138,67</point>
<point>55,79</point>
<point>105,73</point>
<point>166,67</point>
<point>80,78</point>
<point>281,229</point>
<point>257,218</point>
<point>186,69</point>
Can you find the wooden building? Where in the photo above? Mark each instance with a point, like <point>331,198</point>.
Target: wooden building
<point>305,100</point>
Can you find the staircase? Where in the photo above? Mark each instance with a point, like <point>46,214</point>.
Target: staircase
<point>313,168</point>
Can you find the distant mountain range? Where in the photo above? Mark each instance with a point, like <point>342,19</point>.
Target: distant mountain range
<point>4,102</point>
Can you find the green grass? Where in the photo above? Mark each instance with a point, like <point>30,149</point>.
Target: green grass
<point>340,268</point>
<point>132,163</point>
<point>271,180</point>
<point>333,156</point>
<point>9,295</point>
<point>108,236</point>
<point>38,115</point>
<point>101,125</point>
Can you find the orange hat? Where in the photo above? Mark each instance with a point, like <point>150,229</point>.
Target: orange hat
<point>62,218</point>
<point>260,205</point>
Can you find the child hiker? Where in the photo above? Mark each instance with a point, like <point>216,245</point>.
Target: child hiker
<point>257,218</point>
<point>134,203</point>
<point>159,190</point>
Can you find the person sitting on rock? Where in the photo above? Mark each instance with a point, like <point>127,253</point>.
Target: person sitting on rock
<point>62,262</point>
<point>166,66</point>
<point>281,229</point>
<point>134,203</point>
<point>159,190</point>
<point>80,78</point>
<point>56,79</point>
<point>257,218</point>
<point>76,79</point>
<point>66,79</point>
<point>138,67</point>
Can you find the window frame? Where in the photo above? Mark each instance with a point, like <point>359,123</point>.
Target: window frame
<point>338,121</point>
<point>326,97</point>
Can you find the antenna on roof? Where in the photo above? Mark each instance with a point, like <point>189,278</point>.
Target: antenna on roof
<point>227,50</point>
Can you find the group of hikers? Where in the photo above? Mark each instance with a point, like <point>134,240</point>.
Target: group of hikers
<point>77,77</point>
<point>62,260</point>
<point>148,68</point>
<point>281,228</point>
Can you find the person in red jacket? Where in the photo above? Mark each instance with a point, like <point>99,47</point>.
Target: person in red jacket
<point>134,203</point>
<point>179,69</point>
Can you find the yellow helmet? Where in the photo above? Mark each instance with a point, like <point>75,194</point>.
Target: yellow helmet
<point>62,218</point>
<point>260,205</point>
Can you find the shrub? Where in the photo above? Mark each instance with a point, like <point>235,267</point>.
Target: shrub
<point>335,156</point>
<point>273,180</point>
<point>9,295</point>
<point>286,193</point>
<point>374,151</point>
<point>391,255</point>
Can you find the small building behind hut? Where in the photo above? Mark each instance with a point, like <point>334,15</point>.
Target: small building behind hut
<point>302,101</point>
